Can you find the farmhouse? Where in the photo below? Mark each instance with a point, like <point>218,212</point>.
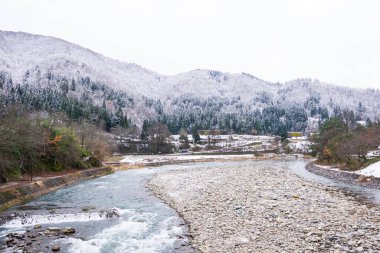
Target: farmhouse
<point>294,134</point>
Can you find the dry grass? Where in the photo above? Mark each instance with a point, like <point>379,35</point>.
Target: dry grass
<point>113,159</point>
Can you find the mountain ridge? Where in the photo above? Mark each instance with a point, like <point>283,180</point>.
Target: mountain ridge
<point>134,65</point>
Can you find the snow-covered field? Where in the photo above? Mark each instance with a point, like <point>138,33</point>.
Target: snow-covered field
<point>300,147</point>
<point>151,159</point>
<point>372,170</point>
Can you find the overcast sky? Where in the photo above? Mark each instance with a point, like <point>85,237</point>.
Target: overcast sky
<point>336,41</point>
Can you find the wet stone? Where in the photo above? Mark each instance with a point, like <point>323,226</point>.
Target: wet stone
<point>56,248</point>
<point>68,230</point>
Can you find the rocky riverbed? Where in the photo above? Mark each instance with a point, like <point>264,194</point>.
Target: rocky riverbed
<point>36,239</point>
<point>263,208</point>
<point>41,238</point>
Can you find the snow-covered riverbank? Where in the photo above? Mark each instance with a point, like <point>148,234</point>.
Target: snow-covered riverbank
<point>154,160</point>
<point>364,177</point>
<point>372,170</point>
<point>259,208</point>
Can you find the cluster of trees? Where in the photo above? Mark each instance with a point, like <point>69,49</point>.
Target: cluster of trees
<point>34,142</point>
<point>156,138</point>
<point>345,143</point>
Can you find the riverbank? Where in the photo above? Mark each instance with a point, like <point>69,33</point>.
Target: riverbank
<point>344,176</point>
<point>262,208</point>
<point>18,194</point>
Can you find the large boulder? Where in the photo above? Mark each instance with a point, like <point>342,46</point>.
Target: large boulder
<point>110,213</point>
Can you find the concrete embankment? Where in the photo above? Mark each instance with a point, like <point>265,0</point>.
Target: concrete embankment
<point>14,196</point>
<point>344,176</point>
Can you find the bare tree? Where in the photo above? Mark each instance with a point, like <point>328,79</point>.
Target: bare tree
<point>8,130</point>
<point>184,139</point>
<point>93,139</point>
<point>158,139</point>
<point>364,141</point>
<point>99,146</point>
<point>85,132</point>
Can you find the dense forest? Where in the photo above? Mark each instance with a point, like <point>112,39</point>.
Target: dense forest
<point>232,114</point>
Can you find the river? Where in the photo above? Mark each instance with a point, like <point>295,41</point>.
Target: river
<point>145,223</point>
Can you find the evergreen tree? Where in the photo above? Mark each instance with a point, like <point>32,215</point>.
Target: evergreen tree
<point>144,132</point>
<point>195,134</point>
<point>73,85</point>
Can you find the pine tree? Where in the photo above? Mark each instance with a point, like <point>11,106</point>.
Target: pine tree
<point>195,134</point>
<point>144,132</point>
<point>73,86</point>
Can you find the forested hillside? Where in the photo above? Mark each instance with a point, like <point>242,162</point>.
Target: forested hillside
<point>49,74</point>
<point>34,142</point>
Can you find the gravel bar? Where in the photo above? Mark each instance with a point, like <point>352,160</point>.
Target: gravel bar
<point>266,208</point>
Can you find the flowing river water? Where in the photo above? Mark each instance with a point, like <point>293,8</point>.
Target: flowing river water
<point>145,223</point>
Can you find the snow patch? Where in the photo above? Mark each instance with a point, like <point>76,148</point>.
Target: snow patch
<point>372,170</point>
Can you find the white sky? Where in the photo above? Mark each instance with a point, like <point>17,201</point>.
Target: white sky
<point>337,41</point>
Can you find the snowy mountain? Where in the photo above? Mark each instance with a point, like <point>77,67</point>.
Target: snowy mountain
<point>20,52</point>
<point>55,65</point>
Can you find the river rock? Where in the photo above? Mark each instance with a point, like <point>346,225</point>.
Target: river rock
<point>110,213</point>
<point>18,236</point>
<point>359,249</point>
<point>54,229</point>
<point>9,240</point>
<point>56,248</point>
<point>68,230</point>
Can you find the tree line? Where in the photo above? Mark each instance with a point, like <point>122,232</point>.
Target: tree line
<point>344,143</point>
